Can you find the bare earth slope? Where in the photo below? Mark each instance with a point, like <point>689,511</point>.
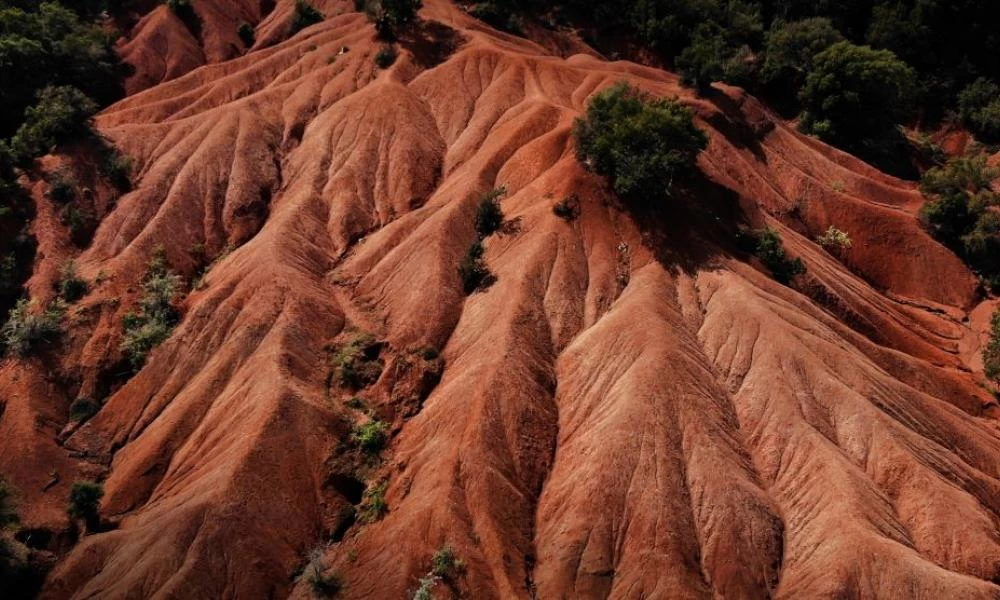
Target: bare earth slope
<point>633,409</point>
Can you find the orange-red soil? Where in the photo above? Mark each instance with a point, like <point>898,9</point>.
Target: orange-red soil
<point>634,409</point>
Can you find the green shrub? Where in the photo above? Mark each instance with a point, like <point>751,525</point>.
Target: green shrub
<point>855,95</point>
<point>710,57</point>
<point>321,584</point>
<point>373,505</point>
<point>8,507</point>
<point>489,215</point>
<point>642,145</point>
<point>371,437</point>
<point>473,270</point>
<point>60,114</point>
<point>445,564</point>
<point>117,167</point>
<point>958,213</point>
<point>385,56</point>
<point>71,286</point>
<point>423,591</point>
<point>82,409</point>
<point>499,15</point>
<point>991,354</point>
<point>389,15</point>
<point>357,364</point>
<point>771,252</point>
<point>790,49</point>
<point>84,500</point>
<point>834,238</point>
<point>979,107</point>
<point>154,322</point>
<point>567,209</point>
<point>305,16</point>
<point>247,34</point>
<point>25,331</point>
<point>62,187</point>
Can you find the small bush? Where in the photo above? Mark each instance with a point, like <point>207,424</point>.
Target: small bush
<point>25,331</point>
<point>84,500</point>
<point>772,253</point>
<point>62,187</point>
<point>473,270</point>
<point>305,16</point>
<point>445,564</point>
<point>423,591</point>
<point>117,167</point>
<point>321,585</point>
<point>357,363</point>
<point>499,15</point>
<point>71,286</point>
<point>834,238</point>
<point>8,507</point>
<point>247,34</point>
<point>991,354</point>
<point>371,437</point>
<point>386,56</point>
<point>567,209</point>
<point>489,215</point>
<point>642,145</point>
<point>388,15</point>
<point>154,322</point>
<point>82,409</point>
<point>373,506</point>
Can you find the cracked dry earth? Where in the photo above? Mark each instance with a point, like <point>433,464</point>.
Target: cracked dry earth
<point>633,409</point>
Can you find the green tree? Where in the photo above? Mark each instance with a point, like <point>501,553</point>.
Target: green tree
<point>84,500</point>
<point>979,107</point>
<point>790,48</point>
<point>61,113</point>
<point>855,95</point>
<point>641,144</point>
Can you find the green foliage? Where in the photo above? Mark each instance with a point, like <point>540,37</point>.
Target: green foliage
<point>357,364</point>
<point>71,286</point>
<point>445,564</point>
<point>389,15</point>
<point>711,57</point>
<point>641,144</point>
<point>958,212</point>
<point>62,187</point>
<point>423,591</point>
<point>25,331</point>
<point>8,507</point>
<point>61,113</point>
<point>790,49</point>
<point>473,270</point>
<point>834,238</point>
<point>371,437</point>
<point>373,505</point>
<point>385,56</point>
<point>979,106</point>
<point>766,245</point>
<point>46,44</point>
<point>321,584</point>
<point>991,354</point>
<point>146,329</point>
<point>489,215</point>
<point>305,15</point>
<point>84,500</point>
<point>82,409</point>
<point>247,34</point>
<point>567,209</point>
<point>117,167</point>
<point>855,95</point>
<point>499,15</point>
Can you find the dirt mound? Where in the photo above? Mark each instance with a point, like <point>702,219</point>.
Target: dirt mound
<point>633,408</point>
